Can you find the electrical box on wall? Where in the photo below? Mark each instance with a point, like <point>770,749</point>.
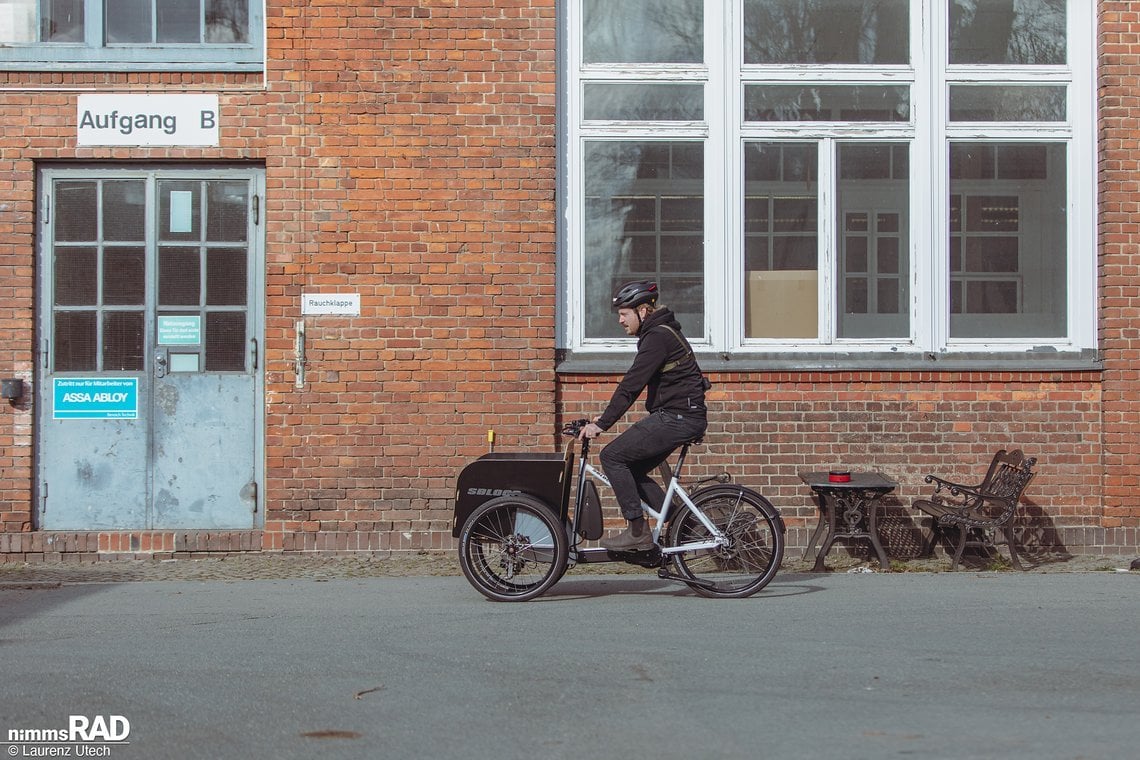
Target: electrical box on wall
<point>12,388</point>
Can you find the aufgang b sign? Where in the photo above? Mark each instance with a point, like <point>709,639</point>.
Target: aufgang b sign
<point>145,120</point>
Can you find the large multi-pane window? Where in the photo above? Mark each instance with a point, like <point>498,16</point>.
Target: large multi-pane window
<point>95,34</point>
<point>901,177</point>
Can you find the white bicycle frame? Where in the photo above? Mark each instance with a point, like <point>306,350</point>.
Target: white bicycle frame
<point>674,489</point>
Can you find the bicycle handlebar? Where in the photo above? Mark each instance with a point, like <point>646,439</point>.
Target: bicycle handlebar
<point>574,429</point>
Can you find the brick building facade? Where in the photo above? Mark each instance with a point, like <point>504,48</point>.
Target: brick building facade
<point>410,155</point>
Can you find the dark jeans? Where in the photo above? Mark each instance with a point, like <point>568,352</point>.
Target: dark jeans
<point>632,456</point>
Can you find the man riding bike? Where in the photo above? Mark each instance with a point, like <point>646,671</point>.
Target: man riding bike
<point>666,366</point>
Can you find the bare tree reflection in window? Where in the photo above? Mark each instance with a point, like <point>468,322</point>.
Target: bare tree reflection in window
<point>227,21</point>
<point>611,174</point>
<point>1022,32</point>
<point>643,31</point>
<point>826,31</point>
<point>61,20</point>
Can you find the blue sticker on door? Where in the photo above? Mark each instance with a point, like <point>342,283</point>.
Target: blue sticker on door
<point>95,398</point>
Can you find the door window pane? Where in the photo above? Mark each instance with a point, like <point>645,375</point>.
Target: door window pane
<point>826,103</point>
<point>827,31</point>
<point>76,211</point>
<point>642,31</point>
<point>1006,103</point>
<point>179,210</point>
<point>644,219</point>
<point>1008,262</point>
<point>1021,32</point>
<point>781,234</point>
<point>122,341</point>
<point>74,344</point>
<point>124,276</point>
<point>226,277</point>
<point>179,277</point>
<point>227,211</point>
<point>124,211</point>
<point>76,276</point>
<point>225,341</point>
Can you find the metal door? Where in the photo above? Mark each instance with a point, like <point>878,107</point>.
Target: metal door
<point>150,397</point>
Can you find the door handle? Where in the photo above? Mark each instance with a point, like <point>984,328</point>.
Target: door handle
<point>160,364</point>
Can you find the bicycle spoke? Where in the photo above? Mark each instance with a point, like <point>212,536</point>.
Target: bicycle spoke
<point>512,548</point>
<point>753,547</point>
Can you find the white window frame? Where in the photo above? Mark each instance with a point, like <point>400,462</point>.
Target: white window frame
<point>928,133</point>
<point>95,55</point>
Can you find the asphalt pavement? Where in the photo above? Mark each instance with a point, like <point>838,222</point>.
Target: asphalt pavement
<point>938,665</point>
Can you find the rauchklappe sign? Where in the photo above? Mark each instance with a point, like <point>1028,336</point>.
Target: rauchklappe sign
<point>146,120</point>
<point>95,398</point>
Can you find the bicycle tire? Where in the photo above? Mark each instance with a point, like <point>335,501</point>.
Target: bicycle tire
<point>753,556</point>
<point>513,548</point>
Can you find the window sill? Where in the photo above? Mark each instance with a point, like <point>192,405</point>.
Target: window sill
<point>147,66</point>
<point>592,363</point>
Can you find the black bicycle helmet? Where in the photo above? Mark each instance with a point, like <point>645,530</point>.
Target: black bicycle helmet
<point>633,294</point>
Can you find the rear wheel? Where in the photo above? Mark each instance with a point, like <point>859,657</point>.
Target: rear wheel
<point>754,550</point>
<point>513,548</point>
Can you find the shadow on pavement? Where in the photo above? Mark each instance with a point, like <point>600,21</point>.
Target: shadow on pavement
<point>19,601</point>
<point>793,584</point>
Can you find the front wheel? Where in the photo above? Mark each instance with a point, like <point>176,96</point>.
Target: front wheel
<point>513,548</point>
<point>754,550</point>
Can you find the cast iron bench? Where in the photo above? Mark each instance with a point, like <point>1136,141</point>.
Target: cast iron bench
<point>979,512</point>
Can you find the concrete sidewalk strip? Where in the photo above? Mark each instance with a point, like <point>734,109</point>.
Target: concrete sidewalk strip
<point>263,565</point>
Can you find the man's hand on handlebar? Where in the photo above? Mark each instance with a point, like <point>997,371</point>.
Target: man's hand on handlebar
<point>590,430</point>
<point>582,429</point>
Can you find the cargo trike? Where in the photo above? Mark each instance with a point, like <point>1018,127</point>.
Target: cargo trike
<point>519,529</point>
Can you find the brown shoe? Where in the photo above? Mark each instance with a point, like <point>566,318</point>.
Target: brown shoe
<point>628,541</point>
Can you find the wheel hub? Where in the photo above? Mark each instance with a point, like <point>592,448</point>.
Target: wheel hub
<point>511,560</point>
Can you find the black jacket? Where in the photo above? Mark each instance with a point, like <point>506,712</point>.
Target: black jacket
<point>681,389</point>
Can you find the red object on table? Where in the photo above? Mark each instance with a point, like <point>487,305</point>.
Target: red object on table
<point>839,476</point>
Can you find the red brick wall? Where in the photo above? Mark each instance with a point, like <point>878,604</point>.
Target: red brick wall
<point>766,427</point>
<point>409,149</point>
<point>424,180</point>
<point>1119,188</point>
